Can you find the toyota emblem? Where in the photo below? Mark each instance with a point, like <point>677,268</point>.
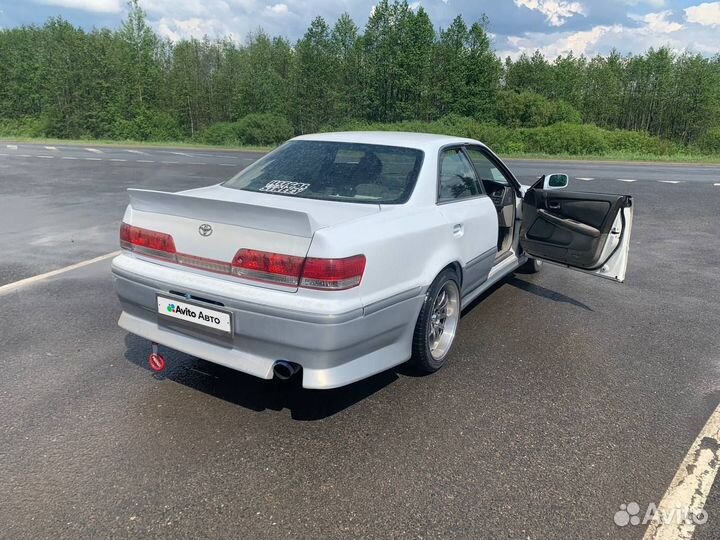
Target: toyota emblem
<point>205,229</point>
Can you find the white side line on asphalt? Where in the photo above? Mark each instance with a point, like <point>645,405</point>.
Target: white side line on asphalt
<point>12,146</point>
<point>626,180</point>
<point>197,163</point>
<point>50,148</point>
<point>691,485</point>
<point>180,154</point>
<point>670,181</point>
<point>92,159</point>
<point>585,179</point>
<point>228,164</point>
<point>69,157</point>
<point>116,159</point>
<point>94,150</point>
<point>144,161</point>
<point>29,281</point>
<point>46,157</point>
<point>170,162</point>
<point>716,184</point>
<point>137,152</point>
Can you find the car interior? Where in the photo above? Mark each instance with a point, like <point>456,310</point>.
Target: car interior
<point>502,195</point>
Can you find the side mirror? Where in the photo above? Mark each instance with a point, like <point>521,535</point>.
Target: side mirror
<point>555,181</point>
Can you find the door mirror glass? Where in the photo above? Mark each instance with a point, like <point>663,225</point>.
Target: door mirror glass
<point>556,181</point>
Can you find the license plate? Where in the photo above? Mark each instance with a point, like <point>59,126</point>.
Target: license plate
<point>195,314</point>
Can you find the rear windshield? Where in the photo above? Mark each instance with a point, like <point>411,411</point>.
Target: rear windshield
<point>333,171</point>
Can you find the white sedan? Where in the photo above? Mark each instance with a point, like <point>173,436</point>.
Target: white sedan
<point>340,255</point>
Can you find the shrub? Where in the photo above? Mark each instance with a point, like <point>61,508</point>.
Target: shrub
<point>710,142</point>
<point>638,142</point>
<point>561,138</point>
<point>147,126</point>
<point>23,127</point>
<point>263,129</point>
<point>221,133</point>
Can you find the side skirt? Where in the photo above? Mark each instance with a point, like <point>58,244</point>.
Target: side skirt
<point>502,269</point>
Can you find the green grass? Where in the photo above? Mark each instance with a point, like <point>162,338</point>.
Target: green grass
<point>135,144</point>
<point>702,159</point>
<point>682,158</point>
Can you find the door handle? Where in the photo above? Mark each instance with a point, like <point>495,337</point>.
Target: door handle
<point>554,205</point>
<point>458,229</point>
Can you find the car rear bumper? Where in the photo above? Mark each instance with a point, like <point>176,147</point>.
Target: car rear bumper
<point>334,350</point>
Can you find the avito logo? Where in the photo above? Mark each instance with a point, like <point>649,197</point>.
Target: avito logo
<point>171,308</point>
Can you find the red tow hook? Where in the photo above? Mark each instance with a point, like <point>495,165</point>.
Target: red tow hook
<point>156,360</point>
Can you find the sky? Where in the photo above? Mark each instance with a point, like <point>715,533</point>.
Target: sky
<point>554,27</point>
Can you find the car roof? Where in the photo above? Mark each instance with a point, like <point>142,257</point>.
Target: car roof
<point>421,141</point>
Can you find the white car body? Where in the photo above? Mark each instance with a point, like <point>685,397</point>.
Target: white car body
<point>336,336</point>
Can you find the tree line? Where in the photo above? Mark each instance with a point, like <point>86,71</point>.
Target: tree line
<point>59,80</point>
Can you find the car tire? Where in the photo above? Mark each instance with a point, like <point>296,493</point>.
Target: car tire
<point>531,266</point>
<point>437,323</point>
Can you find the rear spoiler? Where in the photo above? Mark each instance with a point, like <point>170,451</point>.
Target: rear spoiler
<point>251,216</point>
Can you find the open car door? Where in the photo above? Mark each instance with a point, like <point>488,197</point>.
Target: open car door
<point>589,232</point>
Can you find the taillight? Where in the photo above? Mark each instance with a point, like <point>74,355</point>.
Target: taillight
<point>311,273</point>
<point>265,266</point>
<point>333,274</point>
<point>147,242</point>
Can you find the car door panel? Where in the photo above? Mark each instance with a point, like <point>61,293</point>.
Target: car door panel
<point>477,239</point>
<point>579,230</point>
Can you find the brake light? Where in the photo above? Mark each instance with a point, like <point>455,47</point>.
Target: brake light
<point>333,274</point>
<point>147,242</point>
<point>311,273</point>
<point>265,266</point>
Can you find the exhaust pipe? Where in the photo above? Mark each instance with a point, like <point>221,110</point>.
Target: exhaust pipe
<point>283,369</point>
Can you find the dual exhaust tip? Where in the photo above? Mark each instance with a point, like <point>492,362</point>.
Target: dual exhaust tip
<point>283,370</point>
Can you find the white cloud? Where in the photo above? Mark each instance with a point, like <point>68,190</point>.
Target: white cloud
<point>194,27</point>
<point>414,6</point>
<point>655,30</point>
<point>707,14</point>
<point>98,6</point>
<point>658,22</point>
<point>278,9</point>
<point>553,45</point>
<point>556,11</point>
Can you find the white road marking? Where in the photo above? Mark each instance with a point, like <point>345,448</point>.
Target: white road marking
<point>137,152</point>
<point>670,182</point>
<point>12,146</point>
<point>94,150</point>
<point>24,155</point>
<point>180,154</point>
<point>170,162</point>
<point>50,148</point>
<point>116,159</point>
<point>585,179</point>
<point>716,184</point>
<point>46,157</point>
<point>69,157</point>
<point>228,164</point>
<point>28,281</point>
<point>4,154</point>
<point>691,485</point>
<point>92,159</point>
<point>144,161</point>
<point>626,180</point>
<point>197,163</point>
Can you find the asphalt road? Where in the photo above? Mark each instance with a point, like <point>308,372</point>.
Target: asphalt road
<point>565,397</point>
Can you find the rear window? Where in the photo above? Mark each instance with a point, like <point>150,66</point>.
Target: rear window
<point>332,171</point>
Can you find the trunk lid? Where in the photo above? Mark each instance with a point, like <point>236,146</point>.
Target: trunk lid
<point>238,219</point>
